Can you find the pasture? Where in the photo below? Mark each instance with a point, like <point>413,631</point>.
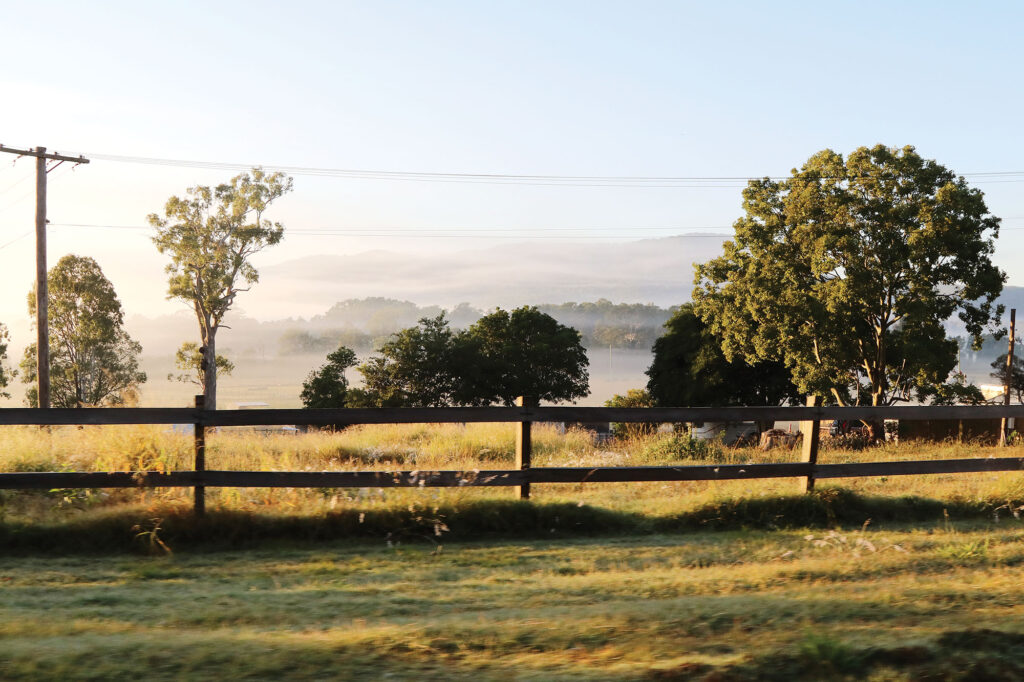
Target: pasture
<point>908,577</point>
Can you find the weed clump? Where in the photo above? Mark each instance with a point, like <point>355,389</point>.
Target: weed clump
<point>674,447</point>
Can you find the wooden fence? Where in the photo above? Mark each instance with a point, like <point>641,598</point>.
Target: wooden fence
<point>522,475</point>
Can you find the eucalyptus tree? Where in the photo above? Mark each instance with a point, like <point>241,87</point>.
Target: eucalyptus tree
<point>210,236</point>
<point>846,270</point>
<point>93,360</point>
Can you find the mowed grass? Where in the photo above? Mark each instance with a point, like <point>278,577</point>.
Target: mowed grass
<point>935,601</point>
<point>913,577</point>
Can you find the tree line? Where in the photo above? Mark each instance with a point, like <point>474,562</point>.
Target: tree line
<point>837,283</point>
<point>365,324</point>
<point>503,355</point>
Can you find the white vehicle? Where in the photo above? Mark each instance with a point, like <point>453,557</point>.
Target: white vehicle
<point>728,432</point>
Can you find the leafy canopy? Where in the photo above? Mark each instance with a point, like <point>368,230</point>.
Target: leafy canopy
<point>327,386</point>
<point>93,361</point>
<point>522,353</point>
<point>846,271</point>
<point>689,370</point>
<point>500,357</point>
<point>416,367</point>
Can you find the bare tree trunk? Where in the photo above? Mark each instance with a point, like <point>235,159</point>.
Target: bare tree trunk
<point>876,428</point>
<point>209,368</point>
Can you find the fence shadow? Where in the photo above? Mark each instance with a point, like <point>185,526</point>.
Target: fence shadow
<point>154,529</point>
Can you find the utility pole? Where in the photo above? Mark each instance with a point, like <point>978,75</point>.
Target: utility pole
<point>1007,380</point>
<point>42,295</point>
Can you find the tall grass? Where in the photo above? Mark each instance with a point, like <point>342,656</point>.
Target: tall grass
<point>447,446</point>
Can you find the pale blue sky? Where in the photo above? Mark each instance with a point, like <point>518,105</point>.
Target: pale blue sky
<point>566,88</point>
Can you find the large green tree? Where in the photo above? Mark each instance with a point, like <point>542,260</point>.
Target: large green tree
<point>689,369</point>
<point>416,367</point>
<point>846,271</point>
<point>210,236</point>
<point>327,386</point>
<point>6,373</point>
<point>501,356</point>
<point>93,360</point>
<point>522,352</point>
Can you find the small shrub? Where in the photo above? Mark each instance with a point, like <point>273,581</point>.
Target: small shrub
<point>635,397</point>
<point>966,553</point>
<point>673,447</point>
<point>856,440</point>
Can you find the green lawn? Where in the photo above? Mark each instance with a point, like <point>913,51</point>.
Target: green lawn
<point>939,600</point>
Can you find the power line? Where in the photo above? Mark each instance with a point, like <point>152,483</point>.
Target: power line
<point>344,229</point>
<point>404,175</point>
<point>16,239</point>
<point>14,184</point>
<point>460,233</point>
<point>7,205</point>
<point>690,232</point>
<point>646,181</point>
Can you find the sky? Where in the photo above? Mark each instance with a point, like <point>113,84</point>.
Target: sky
<point>554,88</point>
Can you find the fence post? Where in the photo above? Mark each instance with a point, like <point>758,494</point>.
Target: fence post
<point>200,460</point>
<point>1004,423</point>
<point>812,435</point>
<point>524,446</point>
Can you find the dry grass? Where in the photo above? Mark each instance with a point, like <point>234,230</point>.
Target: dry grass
<point>445,446</point>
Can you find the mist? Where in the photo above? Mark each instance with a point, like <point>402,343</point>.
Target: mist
<point>618,295</point>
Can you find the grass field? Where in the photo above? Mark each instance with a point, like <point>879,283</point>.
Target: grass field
<point>931,601</point>
<point>888,579</point>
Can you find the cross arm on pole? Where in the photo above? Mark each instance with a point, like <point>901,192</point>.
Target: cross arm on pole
<point>43,154</point>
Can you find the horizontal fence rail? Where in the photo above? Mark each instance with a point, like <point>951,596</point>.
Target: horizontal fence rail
<point>523,476</point>
<point>437,415</point>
